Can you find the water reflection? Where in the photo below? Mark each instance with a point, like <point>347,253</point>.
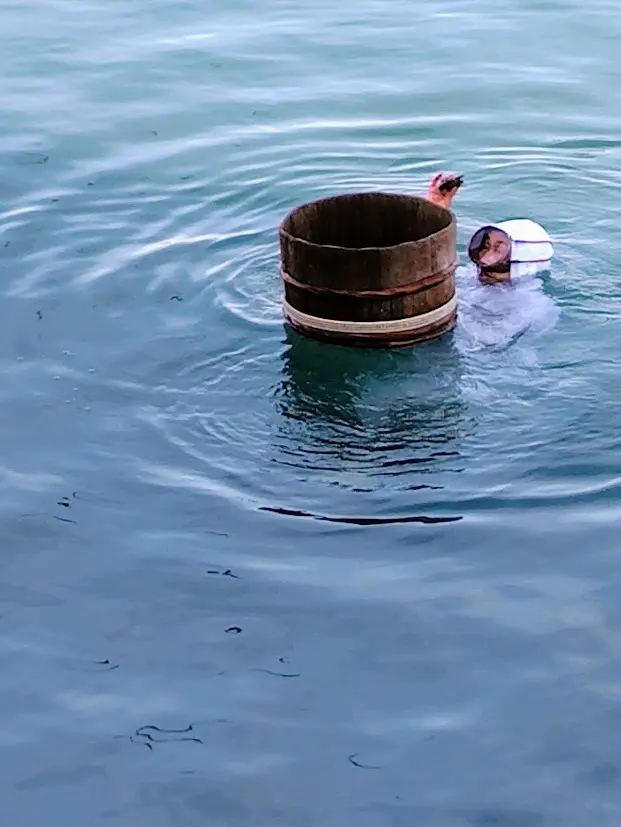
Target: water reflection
<point>392,414</point>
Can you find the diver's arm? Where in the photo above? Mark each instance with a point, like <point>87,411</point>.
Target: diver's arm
<point>435,194</point>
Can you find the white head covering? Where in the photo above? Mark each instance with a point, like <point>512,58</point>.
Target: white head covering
<point>498,316</point>
<point>531,246</point>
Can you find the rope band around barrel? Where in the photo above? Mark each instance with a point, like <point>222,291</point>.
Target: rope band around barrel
<point>403,290</point>
<point>408,325</point>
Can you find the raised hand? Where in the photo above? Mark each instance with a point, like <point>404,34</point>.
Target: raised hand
<point>443,197</point>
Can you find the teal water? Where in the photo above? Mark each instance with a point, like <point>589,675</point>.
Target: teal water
<point>420,548</point>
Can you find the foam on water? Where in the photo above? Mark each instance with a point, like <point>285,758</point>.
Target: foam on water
<point>495,316</point>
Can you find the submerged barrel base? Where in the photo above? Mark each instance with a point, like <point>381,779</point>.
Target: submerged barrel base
<point>393,333</point>
<point>371,341</point>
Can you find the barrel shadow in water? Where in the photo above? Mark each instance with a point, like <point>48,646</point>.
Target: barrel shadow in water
<point>389,418</point>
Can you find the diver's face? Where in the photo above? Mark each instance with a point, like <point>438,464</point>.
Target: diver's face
<point>494,260</point>
<point>496,251</point>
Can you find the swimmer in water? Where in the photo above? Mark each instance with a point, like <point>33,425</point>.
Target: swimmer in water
<point>501,252</point>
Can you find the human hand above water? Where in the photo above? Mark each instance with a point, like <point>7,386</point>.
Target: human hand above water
<point>443,188</point>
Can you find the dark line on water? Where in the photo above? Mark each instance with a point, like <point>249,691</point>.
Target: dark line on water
<point>352,760</point>
<point>144,743</point>
<point>278,674</point>
<point>149,740</point>
<point>64,519</point>
<point>362,521</point>
<point>227,573</point>
<point>155,728</point>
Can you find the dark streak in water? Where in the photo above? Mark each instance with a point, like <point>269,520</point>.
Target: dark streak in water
<point>398,463</point>
<point>145,732</point>
<point>27,158</point>
<point>352,760</point>
<point>106,662</point>
<point>227,573</point>
<point>362,521</point>
<point>154,728</point>
<point>233,630</point>
<point>278,674</point>
<point>64,519</point>
<point>144,743</point>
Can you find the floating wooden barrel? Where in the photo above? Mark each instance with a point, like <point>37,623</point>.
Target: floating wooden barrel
<point>369,269</point>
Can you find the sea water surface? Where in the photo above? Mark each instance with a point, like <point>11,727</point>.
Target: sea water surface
<point>248,580</point>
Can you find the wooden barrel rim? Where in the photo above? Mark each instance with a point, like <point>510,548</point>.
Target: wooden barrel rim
<point>313,244</point>
<point>410,289</point>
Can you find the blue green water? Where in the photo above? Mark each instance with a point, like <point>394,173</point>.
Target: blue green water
<point>420,548</point>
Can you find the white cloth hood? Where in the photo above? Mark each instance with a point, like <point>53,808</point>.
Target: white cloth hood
<point>531,246</point>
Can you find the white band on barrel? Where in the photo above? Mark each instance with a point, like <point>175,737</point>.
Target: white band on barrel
<point>409,325</point>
